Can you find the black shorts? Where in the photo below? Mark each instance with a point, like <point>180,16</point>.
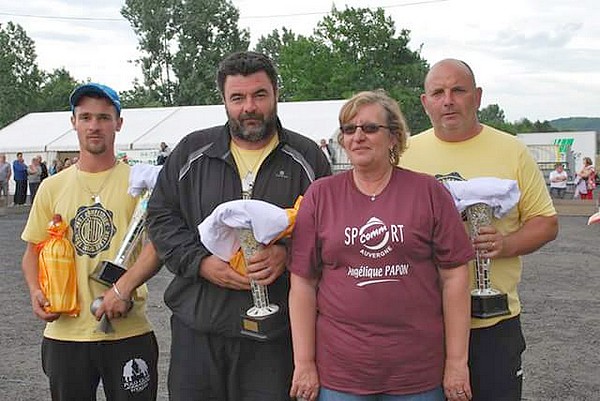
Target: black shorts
<point>126,367</point>
<point>212,367</point>
<point>495,361</point>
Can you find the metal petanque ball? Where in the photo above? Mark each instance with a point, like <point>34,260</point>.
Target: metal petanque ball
<point>96,304</point>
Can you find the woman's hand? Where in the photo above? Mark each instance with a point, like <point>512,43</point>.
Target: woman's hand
<point>456,381</point>
<point>305,382</point>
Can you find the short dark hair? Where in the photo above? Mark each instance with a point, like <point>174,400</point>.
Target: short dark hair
<point>245,63</point>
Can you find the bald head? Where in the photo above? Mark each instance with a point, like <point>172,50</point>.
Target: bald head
<point>452,62</point>
<point>452,99</point>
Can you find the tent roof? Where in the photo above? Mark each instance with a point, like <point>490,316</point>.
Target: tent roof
<point>34,131</point>
<point>181,122</point>
<point>145,128</point>
<point>316,120</point>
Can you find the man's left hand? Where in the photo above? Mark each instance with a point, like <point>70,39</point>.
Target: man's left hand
<point>489,242</point>
<point>112,306</point>
<point>268,264</point>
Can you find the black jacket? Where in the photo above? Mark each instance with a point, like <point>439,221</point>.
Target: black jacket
<point>199,175</point>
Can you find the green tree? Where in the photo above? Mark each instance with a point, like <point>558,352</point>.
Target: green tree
<point>152,21</point>
<point>306,72</point>
<point>544,126</point>
<point>272,44</point>
<point>182,46</point>
<point>523,125</point>
<point>140,96</point>
<point>493,116</point>
<point>351,50</point>
<point>55,90</point>
<point>205,39</point>
<point>20,77</point>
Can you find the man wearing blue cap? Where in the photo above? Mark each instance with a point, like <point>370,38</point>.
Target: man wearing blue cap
<point>92,199</point>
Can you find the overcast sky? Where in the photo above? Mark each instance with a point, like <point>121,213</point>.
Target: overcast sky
<point>538,59</point>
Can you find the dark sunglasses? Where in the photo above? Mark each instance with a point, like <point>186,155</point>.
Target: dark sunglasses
<point>369,128</point>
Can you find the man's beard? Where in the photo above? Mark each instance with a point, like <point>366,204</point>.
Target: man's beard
<point>93,148</point>
<point>257,133</point>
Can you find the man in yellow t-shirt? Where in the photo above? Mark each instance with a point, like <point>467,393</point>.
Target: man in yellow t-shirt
<point>459,147</point>
<point>92,198</point>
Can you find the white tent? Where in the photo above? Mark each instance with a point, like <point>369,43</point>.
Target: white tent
<point>180,122</point>
<point>34,132</point>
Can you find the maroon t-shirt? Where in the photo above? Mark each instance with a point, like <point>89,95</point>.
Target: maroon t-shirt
<point>379,324</point>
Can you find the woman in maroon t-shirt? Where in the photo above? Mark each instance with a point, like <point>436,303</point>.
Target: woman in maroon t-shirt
<point>379,298</point>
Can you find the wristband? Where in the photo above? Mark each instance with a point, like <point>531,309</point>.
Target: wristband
<point>118,294</point>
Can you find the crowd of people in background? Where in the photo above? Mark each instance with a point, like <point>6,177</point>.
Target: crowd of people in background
<point>583,181</point>
<point>580,185</point>
<point>27,176</point>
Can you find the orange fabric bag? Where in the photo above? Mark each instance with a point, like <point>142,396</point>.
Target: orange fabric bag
<point>57,274</point>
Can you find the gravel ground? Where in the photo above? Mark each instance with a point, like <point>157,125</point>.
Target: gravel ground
<point>560,317</point>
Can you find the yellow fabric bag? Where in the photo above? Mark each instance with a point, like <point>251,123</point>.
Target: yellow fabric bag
<point>57,274</point>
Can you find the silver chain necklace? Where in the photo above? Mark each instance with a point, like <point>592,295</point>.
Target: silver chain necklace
<point>378,190</point>
<point>95,195</point>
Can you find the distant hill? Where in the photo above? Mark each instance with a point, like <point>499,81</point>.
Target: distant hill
<point>577,124</point>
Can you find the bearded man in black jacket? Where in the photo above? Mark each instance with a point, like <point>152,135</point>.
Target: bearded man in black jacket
<point>251,156</point>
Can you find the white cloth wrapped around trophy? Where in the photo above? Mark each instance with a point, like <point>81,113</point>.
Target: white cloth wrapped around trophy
<point>249,225</point>
<point>499,194</point>
<point>480,200</point>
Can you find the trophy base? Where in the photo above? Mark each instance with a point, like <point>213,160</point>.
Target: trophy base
<point>107,273</point>
<point>489,305</point>
<point>263,328</point>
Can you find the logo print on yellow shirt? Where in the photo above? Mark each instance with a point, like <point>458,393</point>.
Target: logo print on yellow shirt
<point>93,230</point>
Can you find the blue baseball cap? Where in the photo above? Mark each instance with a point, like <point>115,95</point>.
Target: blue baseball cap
<point>97,89</point>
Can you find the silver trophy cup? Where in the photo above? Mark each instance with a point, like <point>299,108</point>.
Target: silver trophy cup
<point>485,301</point>
<point>264,320</point>
<point>108,272</point>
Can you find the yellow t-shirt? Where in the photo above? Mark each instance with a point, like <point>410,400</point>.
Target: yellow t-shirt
<point>248,161</point>
<point>96,232</point>
<point>492,153</point>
